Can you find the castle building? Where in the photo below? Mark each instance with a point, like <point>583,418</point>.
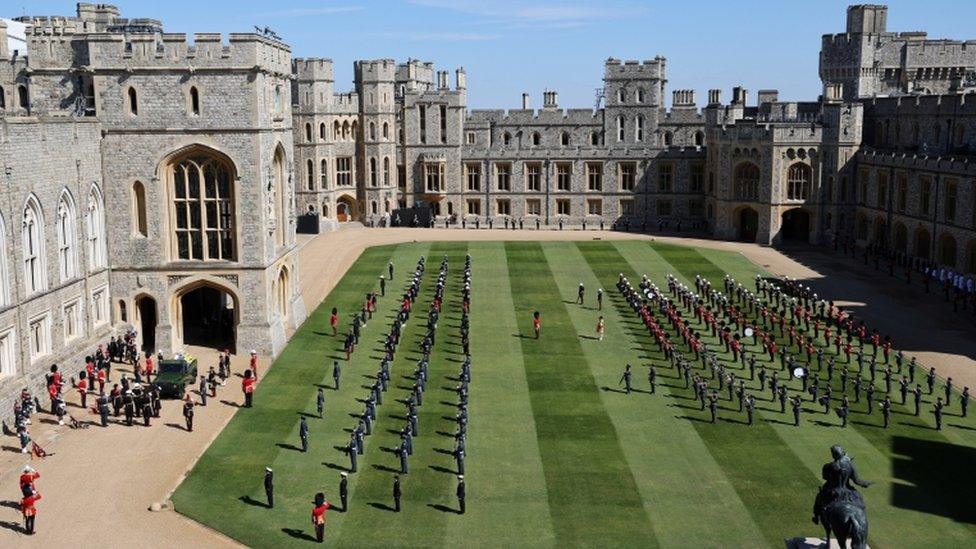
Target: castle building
<point>148,187</point>
<point>154,182</point>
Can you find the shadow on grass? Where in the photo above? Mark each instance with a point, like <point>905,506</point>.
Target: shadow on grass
<point>287,446</point>
<point>381,506</point>
<point>336,466</point>
<point>251,501</point>
<point>298,534</point>
<point>444,508</point>
<point>937,490</point>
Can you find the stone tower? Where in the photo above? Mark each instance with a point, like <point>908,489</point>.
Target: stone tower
<point>375,85</point>
<point>634,94</point>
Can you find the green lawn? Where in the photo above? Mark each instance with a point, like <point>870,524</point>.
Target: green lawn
<point>556,456</point>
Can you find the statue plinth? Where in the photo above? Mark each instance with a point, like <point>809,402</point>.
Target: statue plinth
<point>812,543</point>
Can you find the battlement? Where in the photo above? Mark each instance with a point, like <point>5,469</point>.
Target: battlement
<point>308,69</point>
<point>530,117</point>
<point>415,70</point>
<point>867,18</point>
<point>921,162</point>
<point>950,105</point>
<point>376,70</point>
<point>614,69</point>
<point>683,98</point>
<point>111,51</point>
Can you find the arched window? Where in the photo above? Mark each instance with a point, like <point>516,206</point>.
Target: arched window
<point>386,130</point>
<point>506,138</point>
<point>699,139</point>
<point>67,258</point>
<point>372,131</point>
<point>95,227</point>
<point>746,181</point>
<point>564,139</point>
<point>621,95</point>
<point>639,128</point>
<point>123,316</point>
<point>668,139</point>
<point>139,208</point>
<point>133,104</point>
<point>386,171</point>
<point>621,128</point>
<point>277,99</point>
<point>203,208</point>
<point>322,131</point>
<point>278,217</point>
<point>308,133</point>
<point>947,251</point>
<point>4,273</point>
<point>310,175</point>
<point>336,131</point>
<point>798,182</point>
<point>23,97</point>
<point>345,130</point>
<point>194,101</point>
<point>536,139</point>
<point>325,209</point>
<point>35,277</point>
<point>3,99</point>
<point>373,207</point>
<point>595,138</point>
<point>282,293</point>
<point>323,174</point>
<point>640,95</point>
<point>372,172</point>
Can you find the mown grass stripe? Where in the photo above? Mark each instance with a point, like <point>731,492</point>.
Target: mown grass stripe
<point>592,494</point>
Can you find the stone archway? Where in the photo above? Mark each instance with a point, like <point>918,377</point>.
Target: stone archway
<point>206,314</point>
<point>148,319</point>
<point>748,219</point>
<point>346,209</point>
<point>795,225</point>
<point>923,243</point>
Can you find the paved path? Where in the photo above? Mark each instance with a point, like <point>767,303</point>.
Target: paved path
<point>99,483</point>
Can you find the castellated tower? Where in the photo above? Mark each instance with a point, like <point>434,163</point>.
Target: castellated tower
<point>375,85</point>
<point>633,94</point>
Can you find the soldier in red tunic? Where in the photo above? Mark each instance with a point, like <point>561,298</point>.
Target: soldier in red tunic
<point>318,516</point>
<point>27,479</point>
<point>29,511</point>
<point>248,387</point>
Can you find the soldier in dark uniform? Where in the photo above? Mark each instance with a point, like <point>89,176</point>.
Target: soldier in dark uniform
<point>652,378</point>
<point>128,403</point>
<point>336,373</point>
<point>625,379</point>
<point>344,490</point>
<point>903,389</point>
<point>713,404</point>
<point>886,410</point>
<point>396,493</point>
<point>269,486</point>
<point>930,379</point>
<point>857,389</point>
<point>750,407</point>
<point>389,268</point>
<point>460,494</point>
<point>843,380</point>
<point>762,379</point>
<point>382,285</point>
<point>752,367</point>
<point>580,292</point>
<point>782,399</point>
<point>917,394</point>
<point>320,402</point>
<point>964,400</point>
<point>188,413</point>
<point>147,410</point>
<point>303,433</point>
<point>352,450</point>
<point>102,402</point>
<point>797,408</point>
<point>844,411</point>
<point>938,413</point>
<point>740,393</point>
<point>911,370</point>
<point>948,391</point>
<point>870,395</point>
<point>599,299</point>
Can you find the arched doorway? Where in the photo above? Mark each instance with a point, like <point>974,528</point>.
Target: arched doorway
<point>207,316</point>
<point>345,209</point>
<point>796,225</point>
<point>922,243</point>
<point>148,318</point>
<point>901,238</point>
<point>748,224</point>
<point>282,292</point>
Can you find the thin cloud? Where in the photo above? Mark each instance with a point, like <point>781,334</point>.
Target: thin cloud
<point>301,12</point>
<point>439,36</point>
<point>513,14</point>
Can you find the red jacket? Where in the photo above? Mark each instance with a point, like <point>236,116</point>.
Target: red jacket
<point>248,385</point>
<point>28,479</point>
<point>27,504</point>
<point>318,513</point>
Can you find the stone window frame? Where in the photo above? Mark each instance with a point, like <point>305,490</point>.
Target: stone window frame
<point>639,128</point>
<point>627,175</point>
<point>594,176</point>
<point>434,176</point>
<point>533,176</point>
<point>564,180</point>
<point>39,336</point>
<point>66,225</point>
<point>343,171</point>
<point>8,354</point>
<point>533,207</point>
<point>34,247</point>
<point>564,206</point>
<point>625,205</point>
<point>131,100</point>
<point>472,174</point>
<point>71,314</point>
<point>503,177</point>
<point>225,208</point>
<point>799,180</point>
<point>95,235</point>
<point>594,206</point>
<point>745,184</point>
<point>503,206</point>
<point>665,177</point>
<point>476,209</point>
<point>193,100</point>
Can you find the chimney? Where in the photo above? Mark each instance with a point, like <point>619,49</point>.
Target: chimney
<point>460,79</point>
<point>442,80</point>
<point>833,92</point>
<point>714,97</point>
<point>767,96</point>
<point>4,51</point>
<point>739,95</point>
<point>525,101</point>
<point>550,99</point>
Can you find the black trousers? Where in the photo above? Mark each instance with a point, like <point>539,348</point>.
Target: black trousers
<point>247,400</point>
<point>320,532</point>
<point>270,494</point>
<point>29,524</point>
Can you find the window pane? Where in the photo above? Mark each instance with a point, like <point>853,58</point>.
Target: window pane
<point>181,216</point>
<point>194,182</point>
<point>180,182</point>
<point>197,244</point>
<point>194,215</point>
<point>213,252</point>
<point>211,214</point>
<point>184,246</point>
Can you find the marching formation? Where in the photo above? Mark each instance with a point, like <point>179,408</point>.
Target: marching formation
<point>791,334</point>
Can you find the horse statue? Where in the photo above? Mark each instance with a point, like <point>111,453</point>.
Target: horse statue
<point>839,507</point>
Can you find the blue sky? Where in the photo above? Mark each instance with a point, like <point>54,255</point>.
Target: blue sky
<point>508,46</point>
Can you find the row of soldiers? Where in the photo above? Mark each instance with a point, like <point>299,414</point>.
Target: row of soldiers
<point>803,298</point>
